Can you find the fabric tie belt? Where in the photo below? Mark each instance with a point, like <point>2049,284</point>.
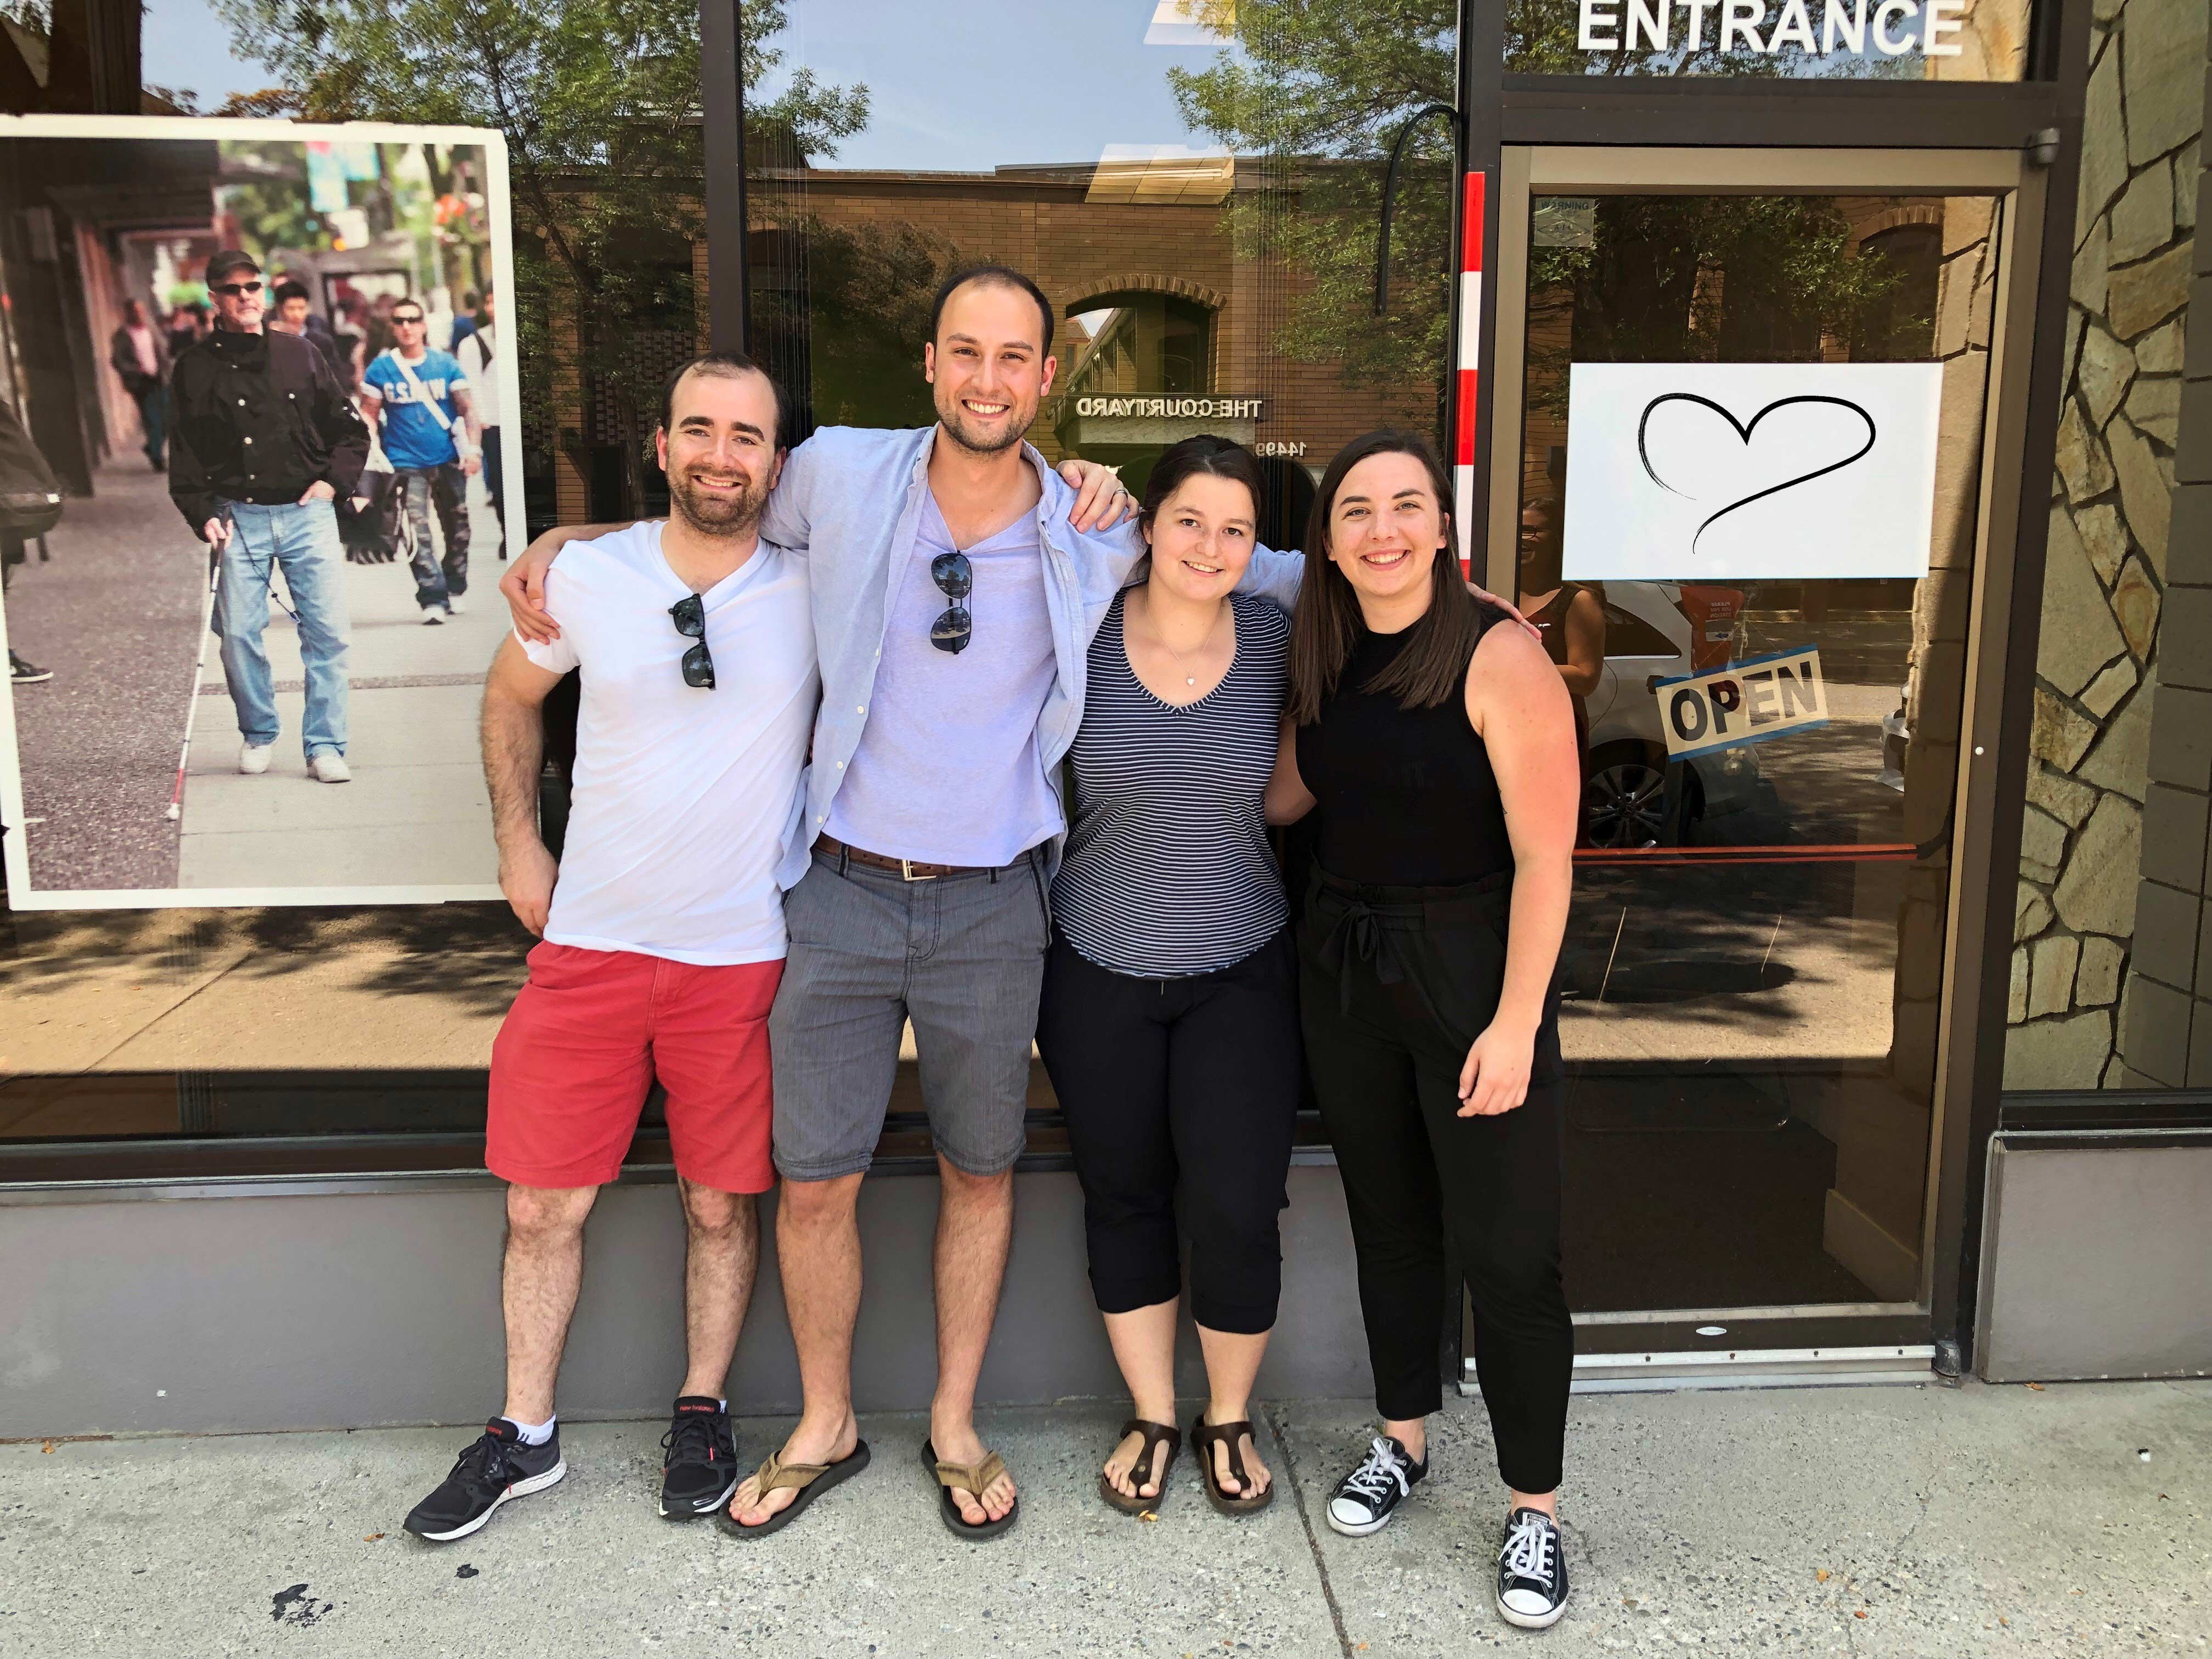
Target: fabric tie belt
<point>1358,922</point>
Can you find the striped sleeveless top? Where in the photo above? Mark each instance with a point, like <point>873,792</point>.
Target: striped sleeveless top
<point>1168,871</point>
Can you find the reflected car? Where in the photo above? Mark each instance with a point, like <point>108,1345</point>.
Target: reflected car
<point>1659,630</point>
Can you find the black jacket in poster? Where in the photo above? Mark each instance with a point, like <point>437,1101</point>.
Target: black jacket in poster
<point>258,418</point>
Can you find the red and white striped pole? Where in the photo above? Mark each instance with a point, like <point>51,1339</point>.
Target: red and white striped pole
<point>1471,227</point>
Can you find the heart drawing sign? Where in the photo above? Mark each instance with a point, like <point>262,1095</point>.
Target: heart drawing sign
<point>1785,472</point>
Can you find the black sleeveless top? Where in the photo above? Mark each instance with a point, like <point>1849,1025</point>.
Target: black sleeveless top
<point>1407,796</point>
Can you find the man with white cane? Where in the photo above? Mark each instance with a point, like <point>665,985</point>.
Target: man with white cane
<point>265,441</point>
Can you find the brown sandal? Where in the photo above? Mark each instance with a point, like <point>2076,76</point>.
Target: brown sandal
<point>1156,1436</point>
<point>809,1480</point>
<point>1204,1436</point>
<point>970,1479</point>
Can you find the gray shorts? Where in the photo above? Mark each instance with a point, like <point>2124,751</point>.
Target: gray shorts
<point>962,955</point>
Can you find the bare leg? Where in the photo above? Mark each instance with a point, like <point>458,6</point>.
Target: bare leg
<point>1143,1347</point>
<point>539,1276</point>
<point>1233,1360</point>
<point>1547,1501</point>
<point>818,1236</point>
<point>1412,1433</point>
<point>721,1254</point>
<point>975,1230</point>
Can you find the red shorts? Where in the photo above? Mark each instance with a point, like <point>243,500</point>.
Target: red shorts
<point>578,1052</point>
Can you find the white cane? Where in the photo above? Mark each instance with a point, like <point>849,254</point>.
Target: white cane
<point>192,708</point>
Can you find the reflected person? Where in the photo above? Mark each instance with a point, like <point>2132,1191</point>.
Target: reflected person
<point>265,443</point>
<point>1436,745</point>
<point>1569,619</point>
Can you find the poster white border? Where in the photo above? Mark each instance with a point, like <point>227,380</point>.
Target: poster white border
<point>16,845</point>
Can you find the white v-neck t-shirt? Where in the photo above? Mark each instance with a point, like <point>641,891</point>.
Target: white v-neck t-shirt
<point>683,798</point>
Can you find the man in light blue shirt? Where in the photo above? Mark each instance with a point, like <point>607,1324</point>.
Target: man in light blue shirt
<point>954,601</point>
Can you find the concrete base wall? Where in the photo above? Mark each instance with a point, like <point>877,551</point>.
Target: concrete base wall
<point>237,1309</point>
<point>2097,1260</point>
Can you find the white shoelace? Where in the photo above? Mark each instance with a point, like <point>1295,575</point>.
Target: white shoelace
<point>1528,1552</point>
<point>1373,1479</point>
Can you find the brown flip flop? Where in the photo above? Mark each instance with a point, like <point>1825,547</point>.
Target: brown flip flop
<point>1203,1439</point>
<point>809,1480</point>
<point>970,1479</point>
<point>1156,1435</point>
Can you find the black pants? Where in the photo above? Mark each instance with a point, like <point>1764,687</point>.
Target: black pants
<point>1395,984</point>
<point>1163,1079</point>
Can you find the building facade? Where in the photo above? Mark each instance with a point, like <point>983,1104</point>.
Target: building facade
<point>1850,1012</point>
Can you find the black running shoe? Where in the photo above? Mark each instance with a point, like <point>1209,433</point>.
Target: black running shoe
<point>1532,1572</point>
<point>496,1468</point>
<point>1367,1497</point>
<point>23,672</point>
<point>700,1471</point>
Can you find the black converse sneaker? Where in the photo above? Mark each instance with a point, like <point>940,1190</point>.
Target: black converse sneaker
<point>700,1469</point>
<point>496,1468</point>
<point>1367,1497</point>
<point>1532,1572</point>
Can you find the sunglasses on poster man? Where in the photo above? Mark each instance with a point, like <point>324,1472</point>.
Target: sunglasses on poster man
<point>238,290</point>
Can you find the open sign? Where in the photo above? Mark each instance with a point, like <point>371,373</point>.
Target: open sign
<point>1746,702</point>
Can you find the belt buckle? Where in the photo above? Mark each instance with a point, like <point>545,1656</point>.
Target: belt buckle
<point>906,871</point>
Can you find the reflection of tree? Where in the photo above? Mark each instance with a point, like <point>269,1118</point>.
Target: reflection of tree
<point>1318,91</point>
<point>599,100</point>
<point>1708,279</point>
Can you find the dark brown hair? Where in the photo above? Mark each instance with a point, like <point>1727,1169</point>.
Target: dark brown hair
<point>1432,667</point>
<point>1221,457</point>
<point>990,277</point>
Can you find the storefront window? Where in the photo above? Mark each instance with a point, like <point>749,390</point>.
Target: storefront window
<point>374,1011</point>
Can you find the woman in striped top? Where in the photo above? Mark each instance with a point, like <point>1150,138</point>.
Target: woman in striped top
<point>1169,1020</point>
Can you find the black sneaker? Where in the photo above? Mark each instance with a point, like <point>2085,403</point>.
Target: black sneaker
<point>26,673</point>
<point>1532,1572</point>
<point>1367,1497</point>
<point>496,1468</point>
<point>700,1471</point>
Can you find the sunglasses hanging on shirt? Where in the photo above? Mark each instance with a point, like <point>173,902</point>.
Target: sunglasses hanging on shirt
<point>955,580</point>
<point>690,616</point>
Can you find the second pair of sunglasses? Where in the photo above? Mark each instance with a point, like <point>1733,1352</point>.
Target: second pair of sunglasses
<point>690,616</point>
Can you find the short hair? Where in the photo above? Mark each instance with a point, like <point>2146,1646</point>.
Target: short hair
<point>422,313</point>
<point>726,365</point>
<point>991,276</point>
<point>469,298</point>
<point>288,289</point>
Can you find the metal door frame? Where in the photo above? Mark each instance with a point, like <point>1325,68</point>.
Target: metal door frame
<point>1671,1346</point>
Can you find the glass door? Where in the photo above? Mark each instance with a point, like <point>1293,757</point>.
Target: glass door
<point>1738,460</point>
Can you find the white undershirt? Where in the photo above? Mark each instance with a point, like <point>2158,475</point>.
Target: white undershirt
<point>684,796</point>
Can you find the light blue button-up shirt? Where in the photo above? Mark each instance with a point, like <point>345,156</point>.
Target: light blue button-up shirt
<point>849,499</point>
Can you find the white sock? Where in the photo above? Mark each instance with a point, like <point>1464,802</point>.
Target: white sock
<point>535,1434</point>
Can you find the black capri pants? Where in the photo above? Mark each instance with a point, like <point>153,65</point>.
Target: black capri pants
<point>1190,1081</point>
<point>1395,984</point>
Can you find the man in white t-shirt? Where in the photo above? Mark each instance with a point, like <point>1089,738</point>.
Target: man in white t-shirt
<point>662,924</point>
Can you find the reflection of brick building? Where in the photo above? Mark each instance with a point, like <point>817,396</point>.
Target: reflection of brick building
<point>1192,316</point>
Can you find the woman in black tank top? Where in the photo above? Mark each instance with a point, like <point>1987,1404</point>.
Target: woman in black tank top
<point>1435,739</point>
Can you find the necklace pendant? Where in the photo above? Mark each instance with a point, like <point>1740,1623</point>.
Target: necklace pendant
<point>1190,679</point>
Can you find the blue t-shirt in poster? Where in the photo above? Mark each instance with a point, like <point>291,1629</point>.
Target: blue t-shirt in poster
<point>411,434</point>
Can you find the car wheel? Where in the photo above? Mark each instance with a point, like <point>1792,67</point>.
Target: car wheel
<point>1626,799</point>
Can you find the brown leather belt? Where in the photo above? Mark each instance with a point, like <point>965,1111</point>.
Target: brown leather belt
<point>907,868</point>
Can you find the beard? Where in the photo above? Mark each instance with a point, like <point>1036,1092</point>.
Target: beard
<point>962,431</point>
<point>713,513</point>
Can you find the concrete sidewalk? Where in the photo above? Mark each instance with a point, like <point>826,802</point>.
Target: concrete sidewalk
<point>1874,1521</point>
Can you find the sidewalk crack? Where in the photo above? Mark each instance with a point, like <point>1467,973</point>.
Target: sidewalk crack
<point>1313,1543</point>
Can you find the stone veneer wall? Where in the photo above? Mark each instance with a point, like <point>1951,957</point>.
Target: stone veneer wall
<point>2103,970</point>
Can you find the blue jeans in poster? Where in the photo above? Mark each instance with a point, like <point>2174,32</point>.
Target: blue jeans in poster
<point>301,539</point>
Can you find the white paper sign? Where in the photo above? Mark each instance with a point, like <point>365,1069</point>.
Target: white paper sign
<point>1788,471</point>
